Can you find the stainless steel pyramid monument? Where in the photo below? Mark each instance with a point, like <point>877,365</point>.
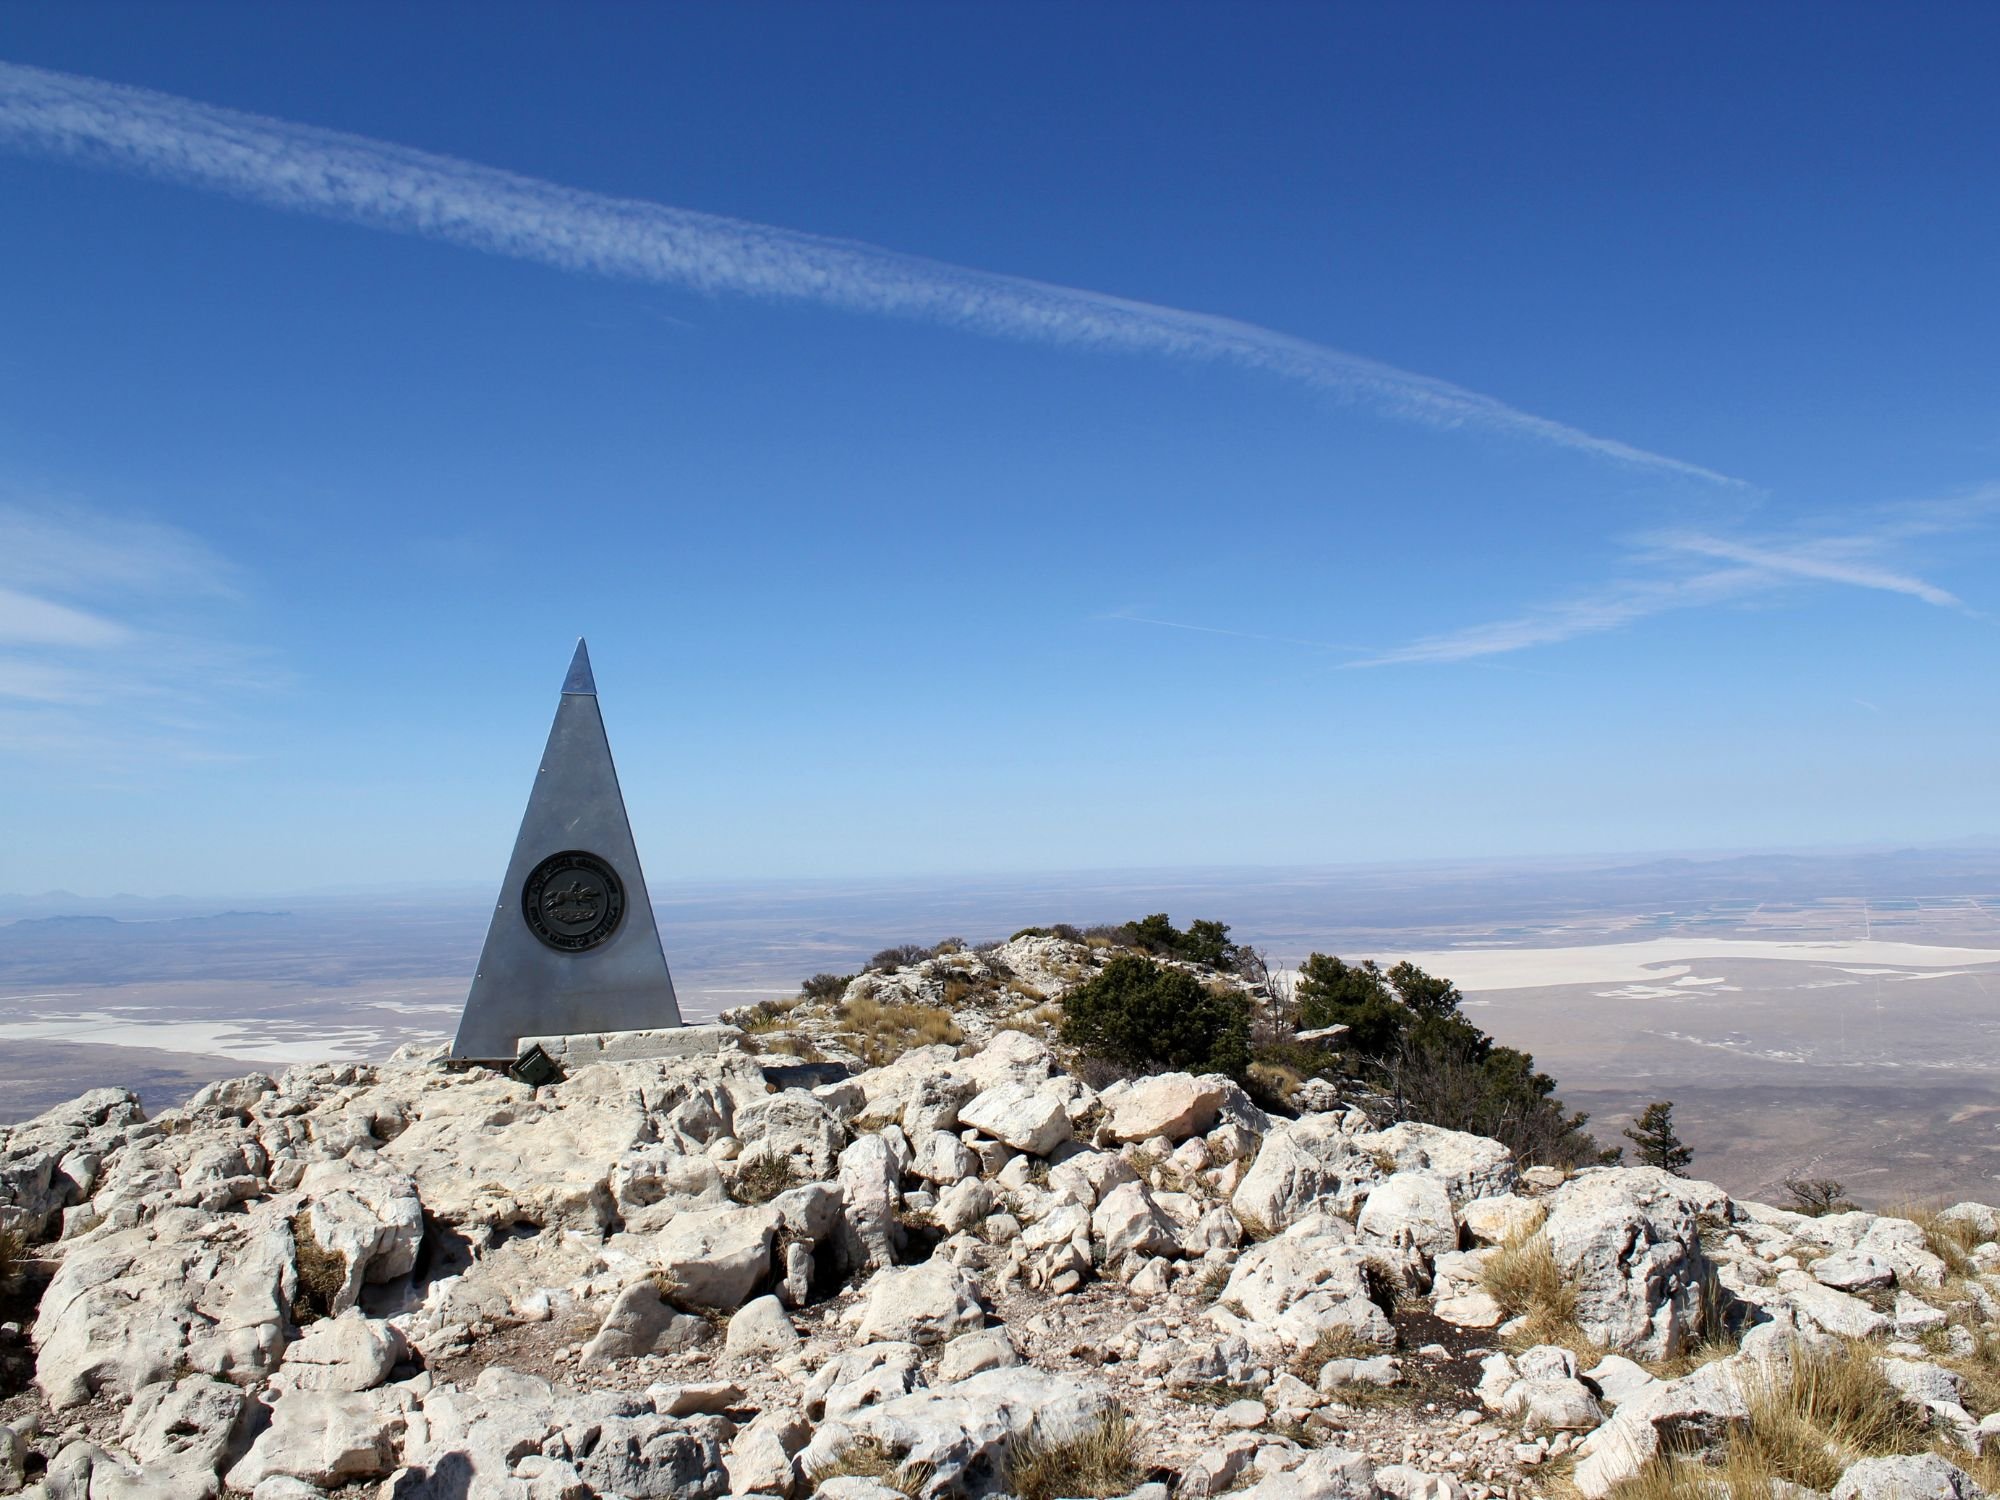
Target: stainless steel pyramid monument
<point>572,946</point>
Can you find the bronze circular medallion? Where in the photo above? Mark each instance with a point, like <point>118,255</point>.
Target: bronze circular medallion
<point>573,901</point>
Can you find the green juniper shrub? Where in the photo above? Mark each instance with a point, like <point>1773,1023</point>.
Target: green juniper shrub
<point>1406,1036</point>
<point>1357,996</point>
<point>1137,1013</point>
<point>826,986</point>
<point>1204,942</point>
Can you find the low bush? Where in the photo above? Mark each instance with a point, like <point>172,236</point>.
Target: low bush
<point>1153,1019</point>
<point>899,957</point>
<point>826,986</point>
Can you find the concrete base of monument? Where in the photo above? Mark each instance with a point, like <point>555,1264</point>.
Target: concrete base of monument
<point>586,1047</point>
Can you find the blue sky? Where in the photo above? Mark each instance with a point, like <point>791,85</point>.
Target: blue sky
<point>992,438</point>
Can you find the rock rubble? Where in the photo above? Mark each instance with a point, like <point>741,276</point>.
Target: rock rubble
<point>703,1277</point>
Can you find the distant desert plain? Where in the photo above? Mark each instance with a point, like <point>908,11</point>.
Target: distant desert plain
<point>1828,1015</point>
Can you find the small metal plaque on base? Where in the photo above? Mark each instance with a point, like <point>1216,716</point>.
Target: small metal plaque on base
<point>572,946</point>
<point>535,1068</point>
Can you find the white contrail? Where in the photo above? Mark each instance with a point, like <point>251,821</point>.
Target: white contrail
<point>369,182</point>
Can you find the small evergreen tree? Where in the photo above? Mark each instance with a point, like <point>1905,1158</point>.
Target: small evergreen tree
<point>1140,1015</point>
<point>1653,1134</point>
<point>1357,996</point>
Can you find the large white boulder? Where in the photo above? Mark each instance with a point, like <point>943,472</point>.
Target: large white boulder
<point>326,1438</point>
<point>1917,1476</point>
<point>1030,1117</point>
<point>1692,1415</point>
<point>1834,1312</point>
<point>182,1292</point>
<point>1411,1210</point>
<point>347,1353</point>
<point>871,1172</point>
<point>716,1257</point>
<point>1471,1165</point>
<point>1166,1106</point>
<point>962,1434</point>
<point>51,1161</point>
<point>1302,1168</point>
<point>1310,1280</point>
<point>925,1304</point>
<point>1325,1474</point>
<point>1129,1222</point>
<point>372,1220</point>
<point>182,1432</point>
<point>1630,1241</point>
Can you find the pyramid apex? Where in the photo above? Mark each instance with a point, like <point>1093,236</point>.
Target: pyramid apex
<point>579,679</point>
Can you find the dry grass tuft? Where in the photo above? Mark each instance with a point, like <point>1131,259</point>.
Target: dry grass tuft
<point>868,1459</point>
<point>1979,1370</point>
<point>13,1256</point>
<point>322,1273</point>
<point>1523,1277</point>
<point>762,1178</point>
<point>882,1033</point>
<point>1101,1462</point>
<point>1809,1421</point>
<point>1950,1240</point>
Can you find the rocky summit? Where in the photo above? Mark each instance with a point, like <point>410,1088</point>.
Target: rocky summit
<point>893,1243</point>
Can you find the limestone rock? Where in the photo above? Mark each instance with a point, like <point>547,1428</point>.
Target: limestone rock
<point>1167,1106</point>
<point>976,1352</point>
<point>326,1438</point>
<point>863,1377</point>
<point>924,1304</point>
<point>35,1182</point>
<point>371,1219</point>
<point>762,1459</point>
<point>129,1307</point>
<point>347,1353</point>
<point>1835,1312</point>
<point>1471,1165</point>
<point>1853,1271</point>
<point>1923,1476</point>
<point>792,1127</point>
<point>717,1257</point>
<point>1029,1117</point>
<point>640,1323</point>
<point>1129,1222</point>
<point>966,1429</point>
<point>1495,1221</point>
<point>1326,1474</point>
<point>184,1430</point>
<point>760,1327</point>
<point>1412,1210</point>
<point>1303,1168</point>
<point>1630,1239</point>
<point>1310,1280</point>
<point>871,1192</point>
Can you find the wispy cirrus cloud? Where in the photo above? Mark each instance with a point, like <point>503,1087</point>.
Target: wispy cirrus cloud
<point>1672,571</point>
<point>109,650</point>
<point>335,175</point>
<point>1823,562</point>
